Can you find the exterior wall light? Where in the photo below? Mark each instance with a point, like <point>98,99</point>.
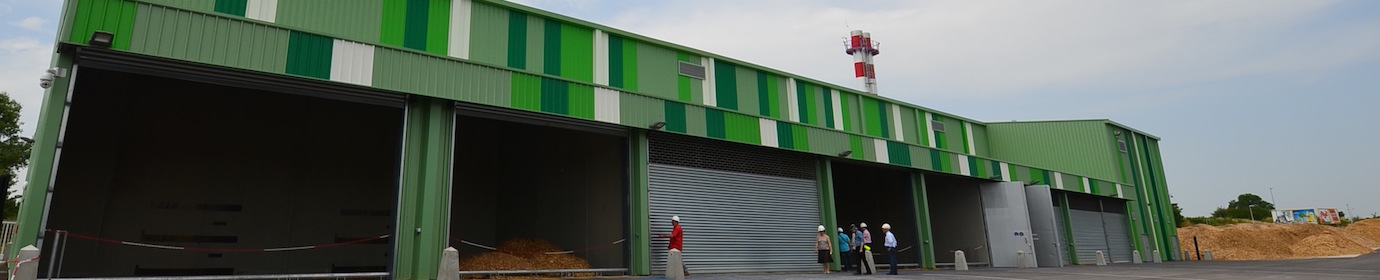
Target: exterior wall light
<point>657,125</point>
<point>101,39</point>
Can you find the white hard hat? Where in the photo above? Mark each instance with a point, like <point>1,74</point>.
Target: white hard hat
<point>840,229</point>
<point>675,218</point>
<point>821,228</point>
<point>862,225</point>
<point>886,226</point>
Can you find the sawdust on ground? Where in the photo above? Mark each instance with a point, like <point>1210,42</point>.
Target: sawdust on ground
<point>1369,228</point>
<point>524,254</point>
<point>1263,241</point>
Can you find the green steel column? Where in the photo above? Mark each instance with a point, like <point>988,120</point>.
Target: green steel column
<point>42,158</point>
<point>425,195</point>
<point>922,218</point>
<point>825,180</point>
<point>640,225</point>
<point>1134,232</point>
<point>1068,228</point>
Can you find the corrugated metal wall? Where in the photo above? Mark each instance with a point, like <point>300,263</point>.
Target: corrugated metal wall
<point>1079,147</point>
<point>332,48</point>
<point>201,38</point>
<point>356,20</point>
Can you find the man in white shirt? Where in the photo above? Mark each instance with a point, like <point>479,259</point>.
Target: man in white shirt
<point>890,244</point>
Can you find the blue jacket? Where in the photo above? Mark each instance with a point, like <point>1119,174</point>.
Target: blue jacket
<point>844,242</point>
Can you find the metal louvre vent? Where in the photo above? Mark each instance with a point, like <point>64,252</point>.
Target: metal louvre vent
<point>711,154</point>
<point>1121,145</point>
<point>937,125</point>
<point>692,70</point>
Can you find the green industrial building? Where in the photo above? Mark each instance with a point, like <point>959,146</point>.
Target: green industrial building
<point>274,137</point>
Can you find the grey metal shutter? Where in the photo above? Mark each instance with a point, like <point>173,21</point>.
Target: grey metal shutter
<point>733,221</point>
<point>1088,235</point>
<point>744,208</point>
<point>1059,222</point>
<point>1118,237</point>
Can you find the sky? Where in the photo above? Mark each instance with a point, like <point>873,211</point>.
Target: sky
<point>1271,97</point>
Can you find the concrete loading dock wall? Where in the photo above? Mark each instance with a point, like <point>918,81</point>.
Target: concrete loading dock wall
<point>878,195</point>
<point>180,163</point>
<point>564,186</point>
<point>956,218</point>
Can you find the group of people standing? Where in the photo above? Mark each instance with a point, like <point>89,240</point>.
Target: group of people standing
<point>855,249</point>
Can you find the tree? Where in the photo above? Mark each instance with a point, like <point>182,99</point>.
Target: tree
<point>14,149</point>
<point>1246,206</point>
<point>1178,215</point>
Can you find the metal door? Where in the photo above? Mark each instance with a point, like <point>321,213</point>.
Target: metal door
<point>1118,237</point>
<point>1008,223</point>
<point>1044,226</point>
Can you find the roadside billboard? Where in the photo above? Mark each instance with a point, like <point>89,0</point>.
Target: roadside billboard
<point>1306,216</point>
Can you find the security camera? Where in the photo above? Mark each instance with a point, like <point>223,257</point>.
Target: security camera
<point>46,81</point>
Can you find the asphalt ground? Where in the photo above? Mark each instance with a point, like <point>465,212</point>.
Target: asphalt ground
<point>1360,267</point>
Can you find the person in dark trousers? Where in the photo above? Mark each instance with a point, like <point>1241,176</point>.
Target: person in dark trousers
<point>826,250</point>
<point>677,238</point>
<point>863,238</point>
<point>844,243</point>
<point>890,244</point>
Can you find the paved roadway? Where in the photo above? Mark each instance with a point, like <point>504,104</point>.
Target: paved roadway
<point>1362,267</point>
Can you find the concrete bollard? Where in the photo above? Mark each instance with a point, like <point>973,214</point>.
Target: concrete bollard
<point>674,269</point>
<point>28,267</point>
<point>1135,256</point>
<point>450,265</point>
<point>1020,260</point>
<point>1185,257</point>
<point>960,261</point>
<point>1101,259</point>
<point>1156,256</point>
<point>1207,255</point>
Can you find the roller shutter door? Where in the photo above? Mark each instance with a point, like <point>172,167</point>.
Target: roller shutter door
<point>1088,235</point>
<point>743,208</point>
<point>1118,237</point>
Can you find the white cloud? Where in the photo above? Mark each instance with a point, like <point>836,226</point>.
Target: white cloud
<point>22,61</point>
<point>980,50</point>
<point>30,23</point>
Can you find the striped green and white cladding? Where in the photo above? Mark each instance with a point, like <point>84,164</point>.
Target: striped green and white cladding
<point>969,145</point>
<point>352,62</point>
<point>460,17</point>
<point>929,132</point>
<point>1006,172</point>
<point>897,129</point>
<point>500,56</point>
<point>265,10</point>
<point>606,105</point>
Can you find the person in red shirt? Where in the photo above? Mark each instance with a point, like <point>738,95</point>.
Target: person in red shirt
<point>677,239</point>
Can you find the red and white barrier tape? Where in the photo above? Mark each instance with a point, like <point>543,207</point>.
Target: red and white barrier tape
<point>491,248</point>
<point>17,263</point>
<point>222,250</point>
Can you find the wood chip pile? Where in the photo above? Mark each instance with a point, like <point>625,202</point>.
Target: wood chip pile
<point>524,254</point>
<point>1368,228</point>
<point>1262,241</point>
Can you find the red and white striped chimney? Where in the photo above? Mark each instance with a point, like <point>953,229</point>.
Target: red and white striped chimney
<point>862,48</point>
